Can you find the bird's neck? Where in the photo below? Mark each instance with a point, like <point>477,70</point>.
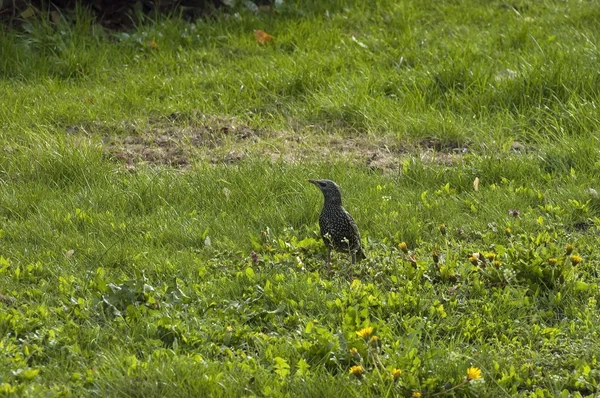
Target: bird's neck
<point>333,202</point>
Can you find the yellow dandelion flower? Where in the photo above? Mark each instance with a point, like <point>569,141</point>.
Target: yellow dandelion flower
<point>357,370</point>
<point>416,394</point>
<point>353,351</point>
<point>375,342</point>
<point>497,263</point>
<point>473,260</point>
<point>552,261</point>
<point>229,328</point>
<point>507,231</point>
<point>473,373</point>
<point>490,256</point>
<point>365,332</point>
<point>403,246</point>
<point>396,373</point>
<point>576,259</point>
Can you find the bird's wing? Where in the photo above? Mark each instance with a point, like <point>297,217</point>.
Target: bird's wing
<point>353,225</point>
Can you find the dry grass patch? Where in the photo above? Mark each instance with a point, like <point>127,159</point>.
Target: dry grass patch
<point>181,140</point>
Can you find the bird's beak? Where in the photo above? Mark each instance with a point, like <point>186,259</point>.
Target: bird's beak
<point>313,182</point>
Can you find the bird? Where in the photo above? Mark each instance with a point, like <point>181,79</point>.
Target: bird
<point>338,229</point>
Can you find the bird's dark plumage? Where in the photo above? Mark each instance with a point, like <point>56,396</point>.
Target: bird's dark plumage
<point>338,229</point>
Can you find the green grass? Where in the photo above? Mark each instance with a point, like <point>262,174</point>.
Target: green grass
<point>135,182</point>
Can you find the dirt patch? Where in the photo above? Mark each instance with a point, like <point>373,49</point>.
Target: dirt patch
<point>382,153</point>
<point>180,140</point>
<point>177,140</point>
<point>132,150</point>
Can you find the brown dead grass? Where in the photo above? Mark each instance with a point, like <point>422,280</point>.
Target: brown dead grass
<point>181,140</point>
<point>177,142</point>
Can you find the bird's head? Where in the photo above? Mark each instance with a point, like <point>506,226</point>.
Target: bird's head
<point>330,190</point>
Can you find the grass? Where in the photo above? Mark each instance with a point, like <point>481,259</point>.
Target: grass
<point>140,170</point>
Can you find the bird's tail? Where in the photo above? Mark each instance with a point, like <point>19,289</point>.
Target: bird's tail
<point>360,254</point>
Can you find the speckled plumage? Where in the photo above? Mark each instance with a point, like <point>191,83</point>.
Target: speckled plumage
<point>338,229</point>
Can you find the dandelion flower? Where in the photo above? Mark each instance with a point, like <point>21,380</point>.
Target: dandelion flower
<point>473,373</point>
<point>490,256</point>
<point>576,259</point>
<point>365,332</point>
<point>396,373</point>
<point>402,246</point>
<point>473,260</point>
<point>416,394</point>
<point>375,342</point>
<point>552,261</point>
<point>357,370</point>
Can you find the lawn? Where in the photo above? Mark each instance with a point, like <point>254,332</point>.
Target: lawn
<point>159,237</point>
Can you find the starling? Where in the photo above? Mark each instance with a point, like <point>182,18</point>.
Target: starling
<point>338,229</point>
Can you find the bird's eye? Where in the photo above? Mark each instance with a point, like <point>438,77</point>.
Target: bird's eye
<point>322,184</point>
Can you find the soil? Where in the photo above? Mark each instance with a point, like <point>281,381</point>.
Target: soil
<point>180,140</point>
